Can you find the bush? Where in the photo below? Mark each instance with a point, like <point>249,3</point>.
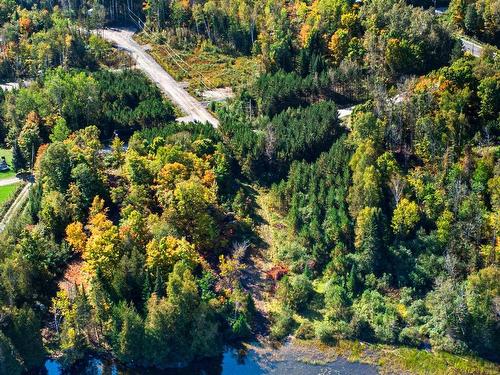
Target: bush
<point>295,291</point>
<point>294,255</point>
<point>240,327</point>
<point>325,332</point>
<point>410,336</point>
<point>337,301</point>
<point>376,312</point>
<point>305,331</point>
<point>282,326</point>
<point>343,329</point>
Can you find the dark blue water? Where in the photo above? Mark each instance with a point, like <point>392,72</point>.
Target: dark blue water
<point>233,361</point>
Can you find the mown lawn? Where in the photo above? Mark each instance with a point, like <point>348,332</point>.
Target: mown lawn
<point>8,156</point>
<point>7,191</point>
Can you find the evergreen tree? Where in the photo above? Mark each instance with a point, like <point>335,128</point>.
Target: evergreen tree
<point>18,161</point>
<point>159,287</point>
<point>146,290</point>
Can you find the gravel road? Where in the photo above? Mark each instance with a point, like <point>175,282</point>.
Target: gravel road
<point>193,109</point>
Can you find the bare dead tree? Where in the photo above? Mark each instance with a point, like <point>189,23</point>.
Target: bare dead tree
<point>270,142</point>
<point>397,184</point>
<point>240,249</point>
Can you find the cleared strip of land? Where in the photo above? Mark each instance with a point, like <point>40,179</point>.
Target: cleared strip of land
<point>193,109</point>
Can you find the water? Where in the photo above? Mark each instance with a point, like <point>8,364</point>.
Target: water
<point>285,360</point>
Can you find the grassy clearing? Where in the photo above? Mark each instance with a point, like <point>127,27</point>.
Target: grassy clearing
<point>7,191</point>
<point>273,232</point>
<point>7,153</point>
<point>217,69</point>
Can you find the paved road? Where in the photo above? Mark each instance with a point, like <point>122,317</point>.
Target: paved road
<point>193,109</point>
<point>473,48</point>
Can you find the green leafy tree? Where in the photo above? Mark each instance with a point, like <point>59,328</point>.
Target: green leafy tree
<point>295,291</point>
<point>375,312</point>
<point>10,362</point>
<point>128,332</point>
<point>60,131</point>
<point>55,167</point>
<point>405,217</point>
<point>190,212</point>
<point>18,161</point>
<point>180,326</point>
<point>23,329</point>
<point>481,289</point>
<point>365,190</point>
<point>54,213</point>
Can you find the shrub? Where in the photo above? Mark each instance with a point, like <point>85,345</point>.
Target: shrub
<point>305,331</point>
<point>295,255</point>
<point>282,326</point>
<point>240,326</point>
<point>379,314</point>
<point>325,332</point>
<point>337,301</point>
<point>410,336</point>
<point>295,291</point>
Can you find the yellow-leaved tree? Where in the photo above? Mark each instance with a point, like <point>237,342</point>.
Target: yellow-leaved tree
<point>103,247</point>
<point>76,236</point>
<point>164,253</point>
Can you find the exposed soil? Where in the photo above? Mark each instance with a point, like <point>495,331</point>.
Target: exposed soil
<point>75,276</point>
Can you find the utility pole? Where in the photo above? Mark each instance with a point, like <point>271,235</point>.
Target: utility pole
<point>32,157</point>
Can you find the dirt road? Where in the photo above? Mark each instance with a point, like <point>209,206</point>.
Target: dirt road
<point>193,109</point>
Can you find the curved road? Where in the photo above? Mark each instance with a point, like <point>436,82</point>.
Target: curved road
<point>193,109</point>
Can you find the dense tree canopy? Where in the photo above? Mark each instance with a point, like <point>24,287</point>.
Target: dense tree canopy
<point>138,233</point>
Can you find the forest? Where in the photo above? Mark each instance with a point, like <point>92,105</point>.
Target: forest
<point>137,236</point>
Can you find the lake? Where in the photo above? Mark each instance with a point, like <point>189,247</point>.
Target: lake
<point>249,361</point>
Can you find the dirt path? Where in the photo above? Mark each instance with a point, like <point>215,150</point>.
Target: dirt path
<point>179,96</point>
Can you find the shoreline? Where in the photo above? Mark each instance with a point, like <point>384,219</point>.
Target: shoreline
<point>349,357</point>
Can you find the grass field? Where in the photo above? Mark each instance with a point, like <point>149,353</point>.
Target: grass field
<point>7,191</point>
<point>8,156</point>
